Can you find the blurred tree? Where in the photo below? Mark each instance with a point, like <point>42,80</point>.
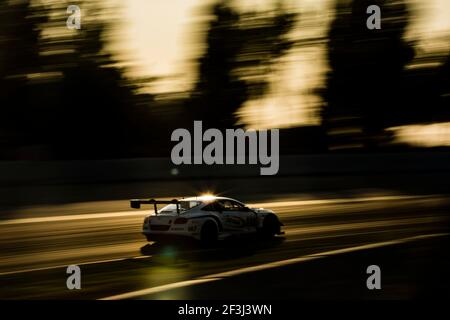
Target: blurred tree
<point>96,102</point>
<point>62,92</point>
<point>218,92</point>
<point>444,87</point>
<point>364,86</point>
<point>19,61</point>
<point>265,35</point>
<point>236,65</point>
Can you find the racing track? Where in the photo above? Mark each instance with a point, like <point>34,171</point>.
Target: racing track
<point>115,259</point>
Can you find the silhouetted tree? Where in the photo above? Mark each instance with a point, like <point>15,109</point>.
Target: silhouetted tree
<point>19,62</point>
<point>364,87</point>
<point>219,92</point>
<point>236,64</point>
<point>444,87</point>
<point>64,91</point>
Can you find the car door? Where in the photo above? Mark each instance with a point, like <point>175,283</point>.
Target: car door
<point>236,217</point>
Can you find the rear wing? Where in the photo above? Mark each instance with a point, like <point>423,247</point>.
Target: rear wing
<point>136,203</point>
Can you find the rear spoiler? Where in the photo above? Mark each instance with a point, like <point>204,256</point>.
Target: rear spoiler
<point>136,203</point>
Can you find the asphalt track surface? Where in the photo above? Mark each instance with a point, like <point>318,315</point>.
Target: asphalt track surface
<point>324,254</point>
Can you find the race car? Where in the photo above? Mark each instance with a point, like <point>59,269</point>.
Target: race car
<point>206,218</point>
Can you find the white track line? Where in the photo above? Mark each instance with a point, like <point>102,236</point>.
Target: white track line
<point>66,265</point>
<point>162,288</point>
<point>340,200</point>
<point>276,264</point>
<point>76,217</point>
<point>266,204</point>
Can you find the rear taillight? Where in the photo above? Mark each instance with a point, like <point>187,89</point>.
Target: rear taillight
<point>180,221</point>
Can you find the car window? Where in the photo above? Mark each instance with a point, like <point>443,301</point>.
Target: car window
<point>187,205</point>
<point>230,205</point>
<point>213,206</point>
<point>238,206</point>
<point>184,206</point>
<point>226,205</point>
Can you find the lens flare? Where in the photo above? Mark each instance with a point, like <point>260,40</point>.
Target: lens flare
<point>207,196</point>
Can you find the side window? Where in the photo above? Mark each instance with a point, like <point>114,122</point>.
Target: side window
<point>224,205</point>
<point>229,205</point>
<point>237,206</point>
<point>213,206</point>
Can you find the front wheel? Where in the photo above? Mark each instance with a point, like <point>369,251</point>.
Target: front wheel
<point>271,226</point>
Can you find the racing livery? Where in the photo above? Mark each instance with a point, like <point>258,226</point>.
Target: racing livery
<point>206,218</point>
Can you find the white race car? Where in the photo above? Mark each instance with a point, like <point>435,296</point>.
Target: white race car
<point>206,218</point>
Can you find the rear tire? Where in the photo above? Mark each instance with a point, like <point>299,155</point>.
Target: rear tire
<point>209,234</point>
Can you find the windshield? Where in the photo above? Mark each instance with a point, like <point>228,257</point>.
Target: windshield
<point>184,206</point>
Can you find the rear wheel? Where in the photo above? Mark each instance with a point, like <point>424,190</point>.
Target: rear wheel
<point>209,234</point>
